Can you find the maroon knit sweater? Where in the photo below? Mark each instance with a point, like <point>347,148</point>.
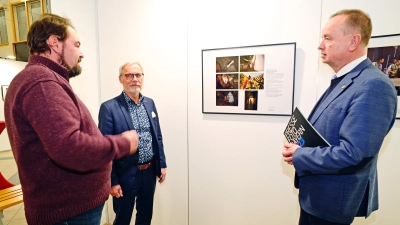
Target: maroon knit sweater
<point>64,162</point>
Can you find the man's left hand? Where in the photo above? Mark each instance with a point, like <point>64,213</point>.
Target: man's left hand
<point>163,175</point>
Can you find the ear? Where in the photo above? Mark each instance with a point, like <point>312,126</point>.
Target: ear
<point>120,79</point>
<point>54,44</point>
<point>355,42</point>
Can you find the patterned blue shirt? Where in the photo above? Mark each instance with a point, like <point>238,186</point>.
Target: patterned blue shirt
<point>141,124</point>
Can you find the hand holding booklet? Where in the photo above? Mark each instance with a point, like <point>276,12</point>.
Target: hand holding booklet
<point>300,131</point>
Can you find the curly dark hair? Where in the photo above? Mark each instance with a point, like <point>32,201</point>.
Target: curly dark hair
<point>47,25</point>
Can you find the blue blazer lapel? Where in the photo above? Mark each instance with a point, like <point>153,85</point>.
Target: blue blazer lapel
<point>125,111</point>
<point>341,87</point>
<point>149,110</point>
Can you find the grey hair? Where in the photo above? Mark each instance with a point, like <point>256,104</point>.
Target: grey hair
<point>129,64</point>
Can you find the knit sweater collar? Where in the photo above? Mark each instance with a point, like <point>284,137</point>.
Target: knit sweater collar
<point>59,69</point>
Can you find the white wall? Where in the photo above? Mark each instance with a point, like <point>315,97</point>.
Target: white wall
<point>8,69</point>
<point>236,171</point>
<point>83,15</point>
<point>155,34</point>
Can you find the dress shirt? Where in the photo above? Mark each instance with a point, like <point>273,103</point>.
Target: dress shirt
<point>347,68</point>
<point>141,124</point>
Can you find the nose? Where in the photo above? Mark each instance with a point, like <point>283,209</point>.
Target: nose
<point>81,55</point>
<point>320,46</point>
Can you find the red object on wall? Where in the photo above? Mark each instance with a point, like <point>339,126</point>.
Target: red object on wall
<point>2,126</point>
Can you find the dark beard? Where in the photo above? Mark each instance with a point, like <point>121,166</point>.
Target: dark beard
<point>74,71</point>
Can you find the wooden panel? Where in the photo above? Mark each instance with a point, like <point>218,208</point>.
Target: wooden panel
<point>10,196</point>
<point>10,202</point>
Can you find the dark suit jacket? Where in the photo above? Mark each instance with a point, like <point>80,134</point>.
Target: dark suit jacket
<point>354,119</point>
<point>114,118</point>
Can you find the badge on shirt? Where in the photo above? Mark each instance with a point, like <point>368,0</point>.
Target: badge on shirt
<point>153,115</point>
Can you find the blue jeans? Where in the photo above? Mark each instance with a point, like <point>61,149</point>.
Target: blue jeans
<point>91,217</point>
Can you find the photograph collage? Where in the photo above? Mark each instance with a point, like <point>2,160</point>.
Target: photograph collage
<point>239,73</point>
<point>387,59</point>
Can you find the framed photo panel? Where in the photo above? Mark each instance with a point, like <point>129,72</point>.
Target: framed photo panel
<point>256,80</point>
<point>384,52</point>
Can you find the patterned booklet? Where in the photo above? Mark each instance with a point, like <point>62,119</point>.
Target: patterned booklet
<point>300,131</point>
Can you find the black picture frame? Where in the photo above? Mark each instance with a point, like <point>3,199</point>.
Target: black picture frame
<point>250,80</point>
<point>3,91</point>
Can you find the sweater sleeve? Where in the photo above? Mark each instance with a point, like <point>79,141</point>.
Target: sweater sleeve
<point>66,129</point>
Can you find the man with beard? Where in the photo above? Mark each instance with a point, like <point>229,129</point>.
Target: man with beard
<point>133,177</point>
<point>64,162</point>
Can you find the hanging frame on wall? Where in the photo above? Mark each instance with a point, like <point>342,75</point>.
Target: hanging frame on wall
<point>387,47</point>
<point>256,80</point>
<point>3,91</point>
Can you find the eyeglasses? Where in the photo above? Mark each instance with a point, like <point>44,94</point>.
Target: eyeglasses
<point>130,76</point>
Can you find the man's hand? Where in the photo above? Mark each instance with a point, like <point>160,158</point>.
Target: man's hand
<point>116,191</point>
<point>163,175</point>
<point>133,139</point>
<point>288,151</point>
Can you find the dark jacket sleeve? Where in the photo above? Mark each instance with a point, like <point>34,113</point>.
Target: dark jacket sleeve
<point>159,141</point>
<point>106,128</point>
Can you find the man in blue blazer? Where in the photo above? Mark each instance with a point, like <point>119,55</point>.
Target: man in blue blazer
<point>134,177</point>
<point>339,182</point>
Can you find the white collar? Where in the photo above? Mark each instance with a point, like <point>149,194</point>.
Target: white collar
<point>350,66</point>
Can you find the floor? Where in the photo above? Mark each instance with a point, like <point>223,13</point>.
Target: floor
<point>14,215</point>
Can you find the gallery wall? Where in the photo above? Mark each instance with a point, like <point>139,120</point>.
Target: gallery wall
<point>247,182</point>
<point>83,15</point>
<point>155,34</point>
<point>236,172</point>
<point>222,169</point>
<point>244,179</point>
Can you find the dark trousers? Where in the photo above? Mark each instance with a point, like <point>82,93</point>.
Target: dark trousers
<point>143,191</point>
<point>308,219</point>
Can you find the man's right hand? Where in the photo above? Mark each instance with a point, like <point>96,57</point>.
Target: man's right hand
<point>288,151</point>
<point>116,191</point>
<point>133,139</point>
